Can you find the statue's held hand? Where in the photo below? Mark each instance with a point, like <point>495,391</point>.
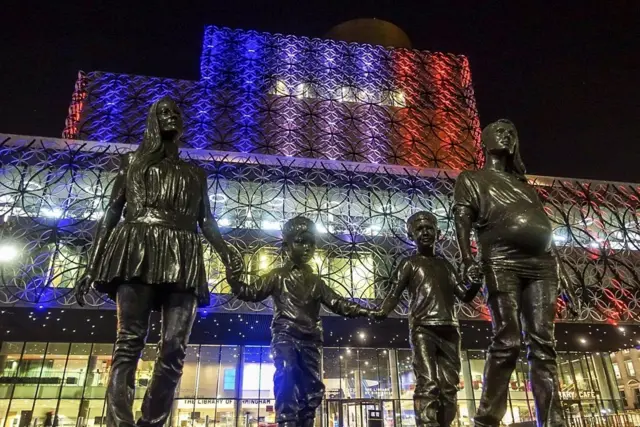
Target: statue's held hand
<point>378,314</point>
<point>82,287</point>
<point>473,272</point>
<point>568,295</point>
<point>233,263</point>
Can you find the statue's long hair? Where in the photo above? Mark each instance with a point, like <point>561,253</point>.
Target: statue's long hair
<point>515,165</point>
<point>151,150</point>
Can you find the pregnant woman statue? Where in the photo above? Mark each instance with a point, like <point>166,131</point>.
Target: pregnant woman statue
<point>521,273</point>
<point>153,260</point>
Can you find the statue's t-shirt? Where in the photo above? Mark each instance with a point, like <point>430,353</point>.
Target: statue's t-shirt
<point>512,227</point>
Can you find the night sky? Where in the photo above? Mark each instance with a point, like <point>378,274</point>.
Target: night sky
<point>566,72</point>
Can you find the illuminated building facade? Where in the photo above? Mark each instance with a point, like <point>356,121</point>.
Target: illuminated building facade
<point>357,138</point>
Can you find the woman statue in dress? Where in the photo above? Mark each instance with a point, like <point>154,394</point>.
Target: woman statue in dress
<point>153,260</point>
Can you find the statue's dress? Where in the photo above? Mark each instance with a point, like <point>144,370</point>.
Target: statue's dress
<point>158,242</point>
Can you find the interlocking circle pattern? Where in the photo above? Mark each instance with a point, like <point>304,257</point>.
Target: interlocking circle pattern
<point>52,192</point>
<point>293,96</point>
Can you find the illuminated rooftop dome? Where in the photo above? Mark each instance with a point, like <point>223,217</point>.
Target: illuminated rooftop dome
<point>371,31</point>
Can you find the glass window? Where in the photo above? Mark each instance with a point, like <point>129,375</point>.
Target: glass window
<point>384,375</point>
<point>184,413</point>
<point>331,373</point>
<point>98,371</point>
<point>209,371</point>
<point>251,376</point>
<point>616,370</point>
<point>10,354</point>
<point>75,374</point>
<point>44,414</point>
<point>224,416</point>
<point>91,413</point>
<point>20,413</point>
<point>519,393</point>
<point>565,374</point>
<point>368,365</point>
<point>351,380</point>
<point>584,377</point>
<point>187,386</point>
<point>405,374</point>
<point>29,370</point>
<point>257,387</point>
<point>227,380</point>
<point>604,360</point>
<point>520,411</point>
<point>145,369</point>
<point>53,370</point>
<point>4,407</point>
<point>476,365</point>
<point>630,369</point>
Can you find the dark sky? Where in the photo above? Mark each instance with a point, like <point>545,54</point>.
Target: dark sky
<point>566,72</point>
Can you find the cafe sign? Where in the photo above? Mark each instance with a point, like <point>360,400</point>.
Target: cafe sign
<point>572,395</point>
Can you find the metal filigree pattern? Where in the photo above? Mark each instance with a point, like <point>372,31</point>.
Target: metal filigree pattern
<point>293,96</point>
<point>52,192</point>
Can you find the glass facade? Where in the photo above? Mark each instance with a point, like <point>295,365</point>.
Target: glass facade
<point>64,384</point>
<point>626,373</point>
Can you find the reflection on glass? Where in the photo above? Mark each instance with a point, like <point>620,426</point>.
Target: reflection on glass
<point>476,366</point>
<point>92,413</point>
<point>53,369</point>
<point>208,372</point>
<point>10,354</point>
<point>98,371</point>
<point>76,371</point>
<point>68,382</point>
<point>4,407</point>
<point>144,371</point>
<point>29,370</point>
<point>187,385</point>
<point>20,413</point>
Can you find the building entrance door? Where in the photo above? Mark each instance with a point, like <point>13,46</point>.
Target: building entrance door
<point>360,413</point>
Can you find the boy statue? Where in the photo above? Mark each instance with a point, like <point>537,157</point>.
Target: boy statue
<point>296,328</point>
<point>432,283</point>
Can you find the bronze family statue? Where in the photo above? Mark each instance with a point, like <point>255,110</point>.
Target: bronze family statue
<point>153,260</point>
<point>521,270</point>
<point>296,330</point>
<point>432,284</point>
